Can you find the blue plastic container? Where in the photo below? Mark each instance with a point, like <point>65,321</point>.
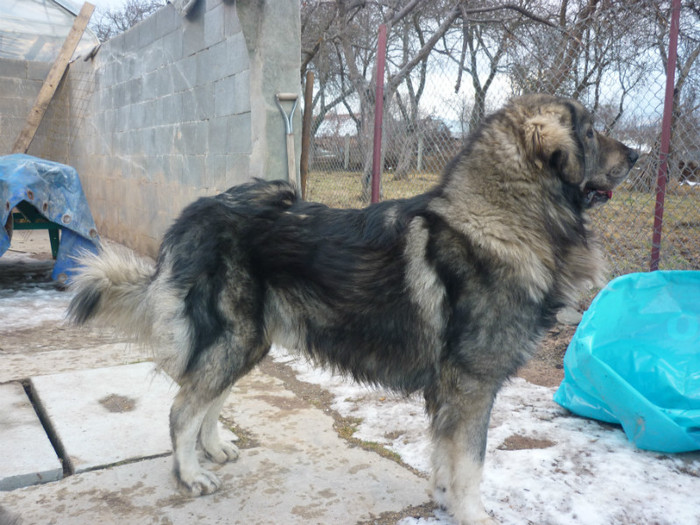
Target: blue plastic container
<point>635,360</point>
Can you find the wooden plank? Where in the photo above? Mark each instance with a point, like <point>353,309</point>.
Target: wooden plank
<point>53,79</point>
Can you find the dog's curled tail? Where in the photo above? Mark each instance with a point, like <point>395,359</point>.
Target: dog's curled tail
<point>112,287</point>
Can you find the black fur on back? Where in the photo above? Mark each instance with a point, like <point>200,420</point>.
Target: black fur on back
<point>204,246</point>
<point>343,273</point>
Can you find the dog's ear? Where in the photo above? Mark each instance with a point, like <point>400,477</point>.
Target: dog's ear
<point>551,144</point>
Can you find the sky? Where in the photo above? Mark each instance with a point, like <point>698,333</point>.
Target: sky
<point>100,5</point>
<point>106,4</point>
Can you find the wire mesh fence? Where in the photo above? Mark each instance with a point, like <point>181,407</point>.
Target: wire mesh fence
<point>612,59</point>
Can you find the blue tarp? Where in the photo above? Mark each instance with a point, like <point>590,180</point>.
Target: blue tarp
<point>635,360</point>
<point>54,190</point>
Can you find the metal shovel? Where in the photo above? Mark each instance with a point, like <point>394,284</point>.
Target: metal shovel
<point>292,172</point>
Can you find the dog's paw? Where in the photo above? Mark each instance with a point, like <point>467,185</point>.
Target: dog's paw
<point>201,483</point>
<point>222,452</point>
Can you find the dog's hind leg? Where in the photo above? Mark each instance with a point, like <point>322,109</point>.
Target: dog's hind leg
<point>187,415</point>
<point>214,447</point>
<point>460,417</point>
<point>195,411</point>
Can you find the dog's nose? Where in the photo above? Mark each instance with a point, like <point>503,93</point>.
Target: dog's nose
<point>632,156</point>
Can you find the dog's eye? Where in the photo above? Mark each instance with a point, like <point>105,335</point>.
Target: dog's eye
<point>590,134</point>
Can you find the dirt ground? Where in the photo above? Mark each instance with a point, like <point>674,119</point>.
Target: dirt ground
<point>546,368</point>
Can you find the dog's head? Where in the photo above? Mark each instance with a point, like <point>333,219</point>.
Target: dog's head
<point>560,137</point>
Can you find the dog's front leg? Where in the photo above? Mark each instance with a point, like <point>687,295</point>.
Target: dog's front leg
<point>460,417</point>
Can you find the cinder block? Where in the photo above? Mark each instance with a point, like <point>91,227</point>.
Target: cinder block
<point>184,73</point>
<point>151,85</point>
<point>134,91</point>
<point>237,56</point>
<point>192,34</point>
<point>240,133</point>
<point>218,140</point>
<point>165,82</point>
<point>241,92</point>
<point>237,170</point>
<point>212,64</point>
<point>224,96</point>
<point>211,4</point>
<point>173,166</point>
<point>10,87</point>
<point>147,32</point>
<point>167,20</point>
<point>134,144</point>
<point>119,95</point>
<point>137,116</point>
<point>122,119</point>
<point>216,171</point>
<point>194,171</point>
<point>153,57</point>
<point>13,68</point>
<point>232,24</point>
<point>131,39</point>
<point>191,138</point>
<point>114,45</point>
<point>214,25</point>
<point>12,108</point>
<point>38,70</point>
<point>172,109</point>
<point>198,103</point>
<point>171,44</point>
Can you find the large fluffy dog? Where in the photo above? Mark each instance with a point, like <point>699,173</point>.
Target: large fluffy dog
<point>448,292</point>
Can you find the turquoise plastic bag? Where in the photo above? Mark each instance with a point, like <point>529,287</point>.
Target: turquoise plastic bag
<point>635,360</point>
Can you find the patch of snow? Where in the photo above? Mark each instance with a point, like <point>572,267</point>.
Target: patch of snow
<point>31,306</point>
<point>589,473</point>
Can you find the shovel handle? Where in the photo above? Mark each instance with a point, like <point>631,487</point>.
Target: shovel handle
<point>291,162</point>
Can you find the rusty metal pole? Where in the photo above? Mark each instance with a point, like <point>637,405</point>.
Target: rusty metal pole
<point>306,131</point>
<point>378,114</point>
<point>666,123</point>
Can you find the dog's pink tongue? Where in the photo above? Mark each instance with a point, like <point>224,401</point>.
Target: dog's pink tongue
<point>609,194</point>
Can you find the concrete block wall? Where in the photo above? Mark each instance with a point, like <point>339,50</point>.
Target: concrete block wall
<point>179,107</point>
<point>20,82</point>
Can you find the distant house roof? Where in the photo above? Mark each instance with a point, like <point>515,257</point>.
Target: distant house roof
<point>36,29</point>
<point>337,126</point>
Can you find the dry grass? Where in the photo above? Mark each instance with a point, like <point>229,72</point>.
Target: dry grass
<point>625,223</point>
<point>343,189</point>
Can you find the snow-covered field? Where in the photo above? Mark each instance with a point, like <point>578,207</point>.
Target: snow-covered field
<point>569,470</point>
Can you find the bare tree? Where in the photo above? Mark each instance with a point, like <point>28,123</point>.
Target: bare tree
<point>112,22</point>
<point>598,51</point>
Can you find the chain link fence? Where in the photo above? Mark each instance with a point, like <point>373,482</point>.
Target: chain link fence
<point>615,65</point>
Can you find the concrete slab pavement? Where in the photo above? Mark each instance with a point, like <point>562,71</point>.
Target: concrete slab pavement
<point>107,415</point>
<point>298,472</point>
<point>26,454</point>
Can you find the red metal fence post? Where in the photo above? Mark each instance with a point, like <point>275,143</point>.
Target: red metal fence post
<point>665,136</point>
<point>378,113</point>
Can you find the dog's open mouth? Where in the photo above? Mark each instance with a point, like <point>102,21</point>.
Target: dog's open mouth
<point>597,197</point>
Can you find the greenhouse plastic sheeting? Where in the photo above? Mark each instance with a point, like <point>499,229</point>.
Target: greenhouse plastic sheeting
<point>635,360</point>
<point>36,29</point>
<point>54,190</point>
